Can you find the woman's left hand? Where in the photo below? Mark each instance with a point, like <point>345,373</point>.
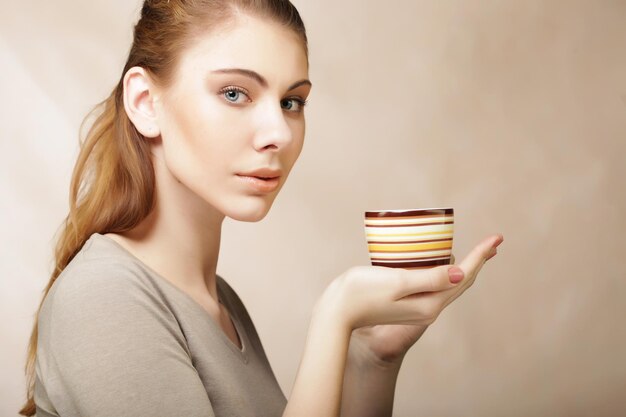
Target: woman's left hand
<point>386,345</point>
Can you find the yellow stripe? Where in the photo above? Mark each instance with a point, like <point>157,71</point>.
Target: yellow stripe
<point>411,234</point>
<point>394,247</point>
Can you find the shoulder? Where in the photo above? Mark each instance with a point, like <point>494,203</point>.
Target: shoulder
<point>107,336</point>
<point>102,267</point>
<point>94,281</point>
<point>101,284</point>
<point>105,305</point>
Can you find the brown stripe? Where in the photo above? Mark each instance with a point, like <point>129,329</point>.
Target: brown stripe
<point>379,214</point>
<point>401,242</point>
<point>450,216</point>
<point>418,267</point>
<point>413,264</point>
<point>409,224</point>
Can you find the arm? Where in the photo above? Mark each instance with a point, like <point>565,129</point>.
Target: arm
<point>355,299</point>
<point>369,382</point>
<point>317,390</point>
<point>376,354</point>
<point>374,361</point>
<point>390,308</point>
<point>327,371</point>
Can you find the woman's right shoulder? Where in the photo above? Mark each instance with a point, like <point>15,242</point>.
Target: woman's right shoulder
<point>97,277</point>
<point>105,317</point>
<point>95,267</point>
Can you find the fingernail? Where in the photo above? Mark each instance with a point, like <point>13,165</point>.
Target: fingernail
<point>455,274</point>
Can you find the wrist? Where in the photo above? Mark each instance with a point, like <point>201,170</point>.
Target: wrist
<point>317,390</point>
<point>361,357</point>
<point>329,309</point>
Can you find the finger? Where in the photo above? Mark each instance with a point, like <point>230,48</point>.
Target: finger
<point>429,280</point>
<point>474,261</point>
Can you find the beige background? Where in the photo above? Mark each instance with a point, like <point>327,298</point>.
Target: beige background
<point>512,112</point>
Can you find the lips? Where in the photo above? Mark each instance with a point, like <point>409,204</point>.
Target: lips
<point>263,173</point>
<point>263,180</point>
<point>258,184</point>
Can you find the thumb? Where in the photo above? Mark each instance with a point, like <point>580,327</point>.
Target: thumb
<point>429,280</point>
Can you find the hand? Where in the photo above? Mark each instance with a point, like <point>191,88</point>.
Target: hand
<point>386,343</point>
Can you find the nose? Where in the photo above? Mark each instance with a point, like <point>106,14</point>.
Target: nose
<point>273,131</point>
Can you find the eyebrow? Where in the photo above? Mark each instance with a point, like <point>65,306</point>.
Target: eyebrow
<point>258,77</point>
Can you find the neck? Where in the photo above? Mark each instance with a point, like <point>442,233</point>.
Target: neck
<point>180,239</point>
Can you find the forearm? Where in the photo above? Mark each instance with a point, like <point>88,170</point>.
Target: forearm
<point>317,390</point>
<point>369,386</point>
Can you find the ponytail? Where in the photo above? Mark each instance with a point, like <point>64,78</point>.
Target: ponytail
<point>112,190</point>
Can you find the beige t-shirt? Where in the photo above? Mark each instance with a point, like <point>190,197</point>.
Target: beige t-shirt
<point>117,339</point>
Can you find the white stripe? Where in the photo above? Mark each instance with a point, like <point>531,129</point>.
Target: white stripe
<point>443,228</point>
<point>428,254</point>
<point>400,239</point>
<point>400,221</point>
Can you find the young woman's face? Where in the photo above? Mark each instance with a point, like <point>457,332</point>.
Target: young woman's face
<point>236,107</point>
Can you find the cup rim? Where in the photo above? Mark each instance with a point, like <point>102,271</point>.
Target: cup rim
<point>407,210</point>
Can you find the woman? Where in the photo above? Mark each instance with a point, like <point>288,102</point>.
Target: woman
<point>206,122</point>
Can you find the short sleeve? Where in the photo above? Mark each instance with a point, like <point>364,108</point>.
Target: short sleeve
<point>109,346</point>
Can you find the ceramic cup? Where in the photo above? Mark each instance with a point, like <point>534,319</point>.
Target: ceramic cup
<point>410,239</point>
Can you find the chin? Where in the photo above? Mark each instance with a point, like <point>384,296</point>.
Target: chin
<point>248,219</point>
<point>252,213</point>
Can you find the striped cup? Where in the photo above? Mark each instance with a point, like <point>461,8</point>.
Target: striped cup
<point>410,239</point>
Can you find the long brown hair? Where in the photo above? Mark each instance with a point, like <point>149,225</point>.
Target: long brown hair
<point>113,182</point>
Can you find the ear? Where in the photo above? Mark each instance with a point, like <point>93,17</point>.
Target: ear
<point>139,99</point>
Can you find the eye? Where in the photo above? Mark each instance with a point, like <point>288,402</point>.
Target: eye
<point>234,94</point>
<point>293,104</point>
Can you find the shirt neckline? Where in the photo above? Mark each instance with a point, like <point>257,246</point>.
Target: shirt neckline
<point>223,299</point>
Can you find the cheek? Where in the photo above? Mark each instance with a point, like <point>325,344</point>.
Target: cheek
<point>196,147</point>
<point>298,132</point>
<point>196,170</point>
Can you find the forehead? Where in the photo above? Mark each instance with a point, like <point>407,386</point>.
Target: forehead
<point>274,51</point>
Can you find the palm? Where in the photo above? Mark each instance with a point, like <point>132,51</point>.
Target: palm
<point>390,342</point>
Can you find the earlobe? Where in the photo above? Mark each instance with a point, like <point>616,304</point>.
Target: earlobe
<point>139,102</point>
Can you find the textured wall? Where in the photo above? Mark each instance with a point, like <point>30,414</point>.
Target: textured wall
<point>512,112</point>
